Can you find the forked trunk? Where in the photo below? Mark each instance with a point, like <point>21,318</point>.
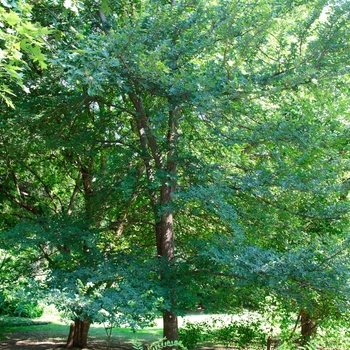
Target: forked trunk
<point>155,163</point>
<point>78,334</point>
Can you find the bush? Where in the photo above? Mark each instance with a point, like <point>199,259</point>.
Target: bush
<point>233,333</point>
<point>28,309</point>
<point>193,333</point>
<point>16,304</point>
<point>9,321</point>
<point>239,333</point>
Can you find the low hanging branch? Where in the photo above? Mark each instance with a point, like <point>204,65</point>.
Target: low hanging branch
<point>295,325</point>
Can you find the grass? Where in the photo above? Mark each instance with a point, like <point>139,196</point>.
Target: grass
<point>50,326</point>
<point>60,331</point>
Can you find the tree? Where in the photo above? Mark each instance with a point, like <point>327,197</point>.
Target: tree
<point>197,119</point>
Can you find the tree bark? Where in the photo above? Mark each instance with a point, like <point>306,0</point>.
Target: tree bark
<point>159,159</point>
<point>78,334</point>
<point>166,249</point>
<point>308,326</point>
<point>170,326</point>
<point>166,246</point>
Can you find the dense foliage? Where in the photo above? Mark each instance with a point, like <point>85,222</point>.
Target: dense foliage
<point>21,45</point>
<point>170,155</point>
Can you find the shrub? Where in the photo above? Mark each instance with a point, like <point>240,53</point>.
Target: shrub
<point>239,333</point>
<point>193,333</point>
<point>28,309</point>
<point>16,304</point>
<point>9,321</point>
<point>233,333</point>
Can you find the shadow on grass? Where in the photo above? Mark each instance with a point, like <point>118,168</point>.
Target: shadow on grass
<point>52,335</point>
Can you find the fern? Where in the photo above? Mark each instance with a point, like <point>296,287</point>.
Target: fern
<point>159,345</point>
<point>310,346</point>
<point>136,345</point>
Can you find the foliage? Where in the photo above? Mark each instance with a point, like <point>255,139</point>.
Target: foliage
<point>240,333</point>
<point>177,155</point>
<point>193,333</point>
<point>293,282</point>
<point>18,302</point>
<point>253,330</point>
<point>104,295</point>
<point>6,321</point>
<point>332,335</point>
<point>23,41</point>
<point>234,332</point>
<point>312,345</point>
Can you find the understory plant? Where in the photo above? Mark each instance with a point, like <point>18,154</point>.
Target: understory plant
<point>235,332</point>
<point>17,304</point>
<point>160,344</point>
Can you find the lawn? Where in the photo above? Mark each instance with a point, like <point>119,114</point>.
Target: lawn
<point>49,332</point>
<point>53,335</point>
<point>18,333</point>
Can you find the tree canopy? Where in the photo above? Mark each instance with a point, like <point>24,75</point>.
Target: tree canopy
<point>200,148</point>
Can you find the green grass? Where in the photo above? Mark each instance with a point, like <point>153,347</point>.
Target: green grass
<point>50,326</point>
<point>21,328</point>
<point>45,330</point>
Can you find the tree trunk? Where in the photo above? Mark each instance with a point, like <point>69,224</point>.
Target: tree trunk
<point>308,326</point>
<point>166,249</point>
<point>170,326</point>
<point>78,334</point>
<point>155,163</point>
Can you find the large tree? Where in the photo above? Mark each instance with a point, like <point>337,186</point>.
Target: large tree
<point>213,120</point>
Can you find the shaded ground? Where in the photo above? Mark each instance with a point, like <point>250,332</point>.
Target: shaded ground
<point>21,341</point>
<point>40,341</point>
<point>35,341</point>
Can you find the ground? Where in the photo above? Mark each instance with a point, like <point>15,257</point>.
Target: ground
<point>39,341</point>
